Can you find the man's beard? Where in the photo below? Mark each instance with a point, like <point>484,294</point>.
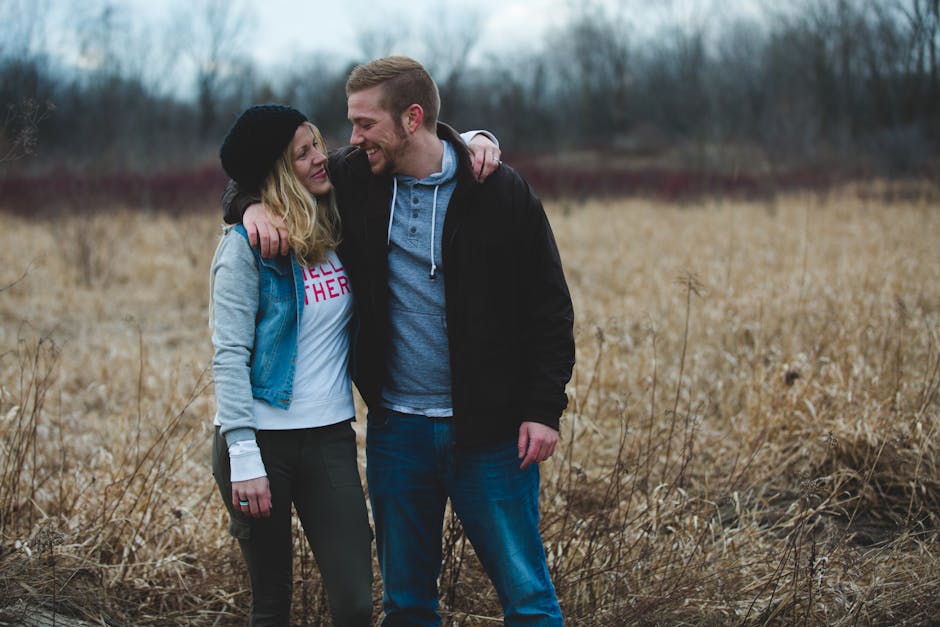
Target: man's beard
<point>393,159</point>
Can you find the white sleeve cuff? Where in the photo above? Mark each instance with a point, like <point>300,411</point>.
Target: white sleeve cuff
<point>245,461</point>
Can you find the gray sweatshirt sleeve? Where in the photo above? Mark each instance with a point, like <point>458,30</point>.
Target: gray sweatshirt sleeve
<point>466,136</point>
<point>234,309</point>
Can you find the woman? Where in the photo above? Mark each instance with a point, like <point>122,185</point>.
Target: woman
<point>280,333</point>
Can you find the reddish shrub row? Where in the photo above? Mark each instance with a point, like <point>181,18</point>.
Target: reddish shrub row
<point>184,189</point>
<point>551,180</point>
<point>68,191</point>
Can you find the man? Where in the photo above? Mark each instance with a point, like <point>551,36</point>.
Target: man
<point>463,349</point>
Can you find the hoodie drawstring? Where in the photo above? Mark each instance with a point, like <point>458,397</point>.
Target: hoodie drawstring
<point>391,218</point>
<point>433,274</point>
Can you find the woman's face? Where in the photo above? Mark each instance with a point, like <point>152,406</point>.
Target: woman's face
<point>309,162</point>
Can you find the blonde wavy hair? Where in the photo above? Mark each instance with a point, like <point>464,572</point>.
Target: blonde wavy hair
<point>313,224</point>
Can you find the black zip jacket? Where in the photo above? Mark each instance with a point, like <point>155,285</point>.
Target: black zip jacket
<point>509,313</point>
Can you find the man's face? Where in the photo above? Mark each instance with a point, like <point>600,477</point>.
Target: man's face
<point>376,131</point>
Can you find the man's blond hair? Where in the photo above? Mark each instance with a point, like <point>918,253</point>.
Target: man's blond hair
<point>404,82</point>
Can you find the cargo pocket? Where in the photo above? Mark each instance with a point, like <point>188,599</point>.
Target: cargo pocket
<point>240,529</point>
<point>238,526</point>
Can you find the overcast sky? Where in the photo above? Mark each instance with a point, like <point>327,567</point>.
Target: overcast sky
<point>287,28</point>
<point>506,25</point>
<point>332,26</point>
<point>280,33</point>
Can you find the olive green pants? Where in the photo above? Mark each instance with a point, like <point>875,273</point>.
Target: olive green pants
<point>316,471</point>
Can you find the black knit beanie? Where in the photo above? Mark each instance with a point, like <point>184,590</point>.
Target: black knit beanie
<point>252,146</point>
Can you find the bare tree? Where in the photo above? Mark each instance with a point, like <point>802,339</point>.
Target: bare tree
<point>315,84</point>
<point>923,20</point>
<point>100,30</point>
<point>591,78</point>
<point>20,129</point>
<point>23,33</point>
<point>450,34</point>
<point>382,38</point>
<point>213,36</point>
<point>21,41</point>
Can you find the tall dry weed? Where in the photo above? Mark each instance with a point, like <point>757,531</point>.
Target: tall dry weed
<point>751,438</point>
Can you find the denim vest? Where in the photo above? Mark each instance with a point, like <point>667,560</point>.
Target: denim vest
<point>280,305</point>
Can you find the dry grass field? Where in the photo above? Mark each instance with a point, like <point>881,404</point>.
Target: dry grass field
<point>751,438</point>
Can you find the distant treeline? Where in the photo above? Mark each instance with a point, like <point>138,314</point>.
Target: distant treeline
<point>845,84</point>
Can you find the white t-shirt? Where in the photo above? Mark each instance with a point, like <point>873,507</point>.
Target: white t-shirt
<point>322,391</point>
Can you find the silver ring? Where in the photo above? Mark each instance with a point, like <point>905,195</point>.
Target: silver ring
<point>244,503</point>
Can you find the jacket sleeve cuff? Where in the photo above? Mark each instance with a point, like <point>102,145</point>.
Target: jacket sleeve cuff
<point>548,414</point>
<point>245,461</point>
<point>235,201</point>
<point>553,422</point>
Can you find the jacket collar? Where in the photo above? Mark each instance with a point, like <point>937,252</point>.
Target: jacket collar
<point>464,171</point>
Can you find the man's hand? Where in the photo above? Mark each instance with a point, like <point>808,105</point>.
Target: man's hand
<point>484,156</point>
<point>536,442</point>
<point>257,494</point>
<point>270,233</point>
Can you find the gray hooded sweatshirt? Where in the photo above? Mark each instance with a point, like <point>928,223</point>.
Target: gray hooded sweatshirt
<point>418,359</point>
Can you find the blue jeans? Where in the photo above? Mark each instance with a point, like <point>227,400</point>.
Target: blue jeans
<point>413,467</point>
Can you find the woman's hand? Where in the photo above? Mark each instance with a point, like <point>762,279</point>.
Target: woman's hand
<point>270,234</point>
<point>252,497</point>
<point>484,156</point>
